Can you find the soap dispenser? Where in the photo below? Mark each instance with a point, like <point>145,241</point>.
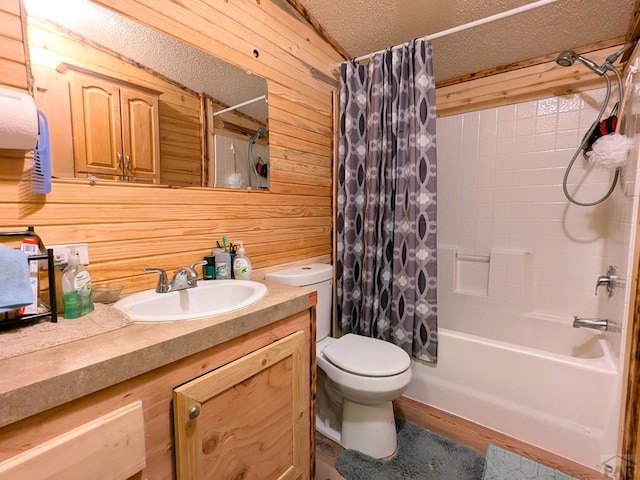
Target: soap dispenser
<point>242,264</point>
<point>76,288</point>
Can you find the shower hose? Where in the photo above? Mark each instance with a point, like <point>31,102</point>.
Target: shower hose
<point>585,140</point>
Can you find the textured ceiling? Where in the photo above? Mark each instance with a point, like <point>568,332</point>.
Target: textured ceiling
<point>362,27</point>
<point>365,26</point>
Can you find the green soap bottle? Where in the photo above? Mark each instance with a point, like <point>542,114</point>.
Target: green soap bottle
<point>76,289</point>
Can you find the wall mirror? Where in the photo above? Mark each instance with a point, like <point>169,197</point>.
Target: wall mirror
<point>127,103</point>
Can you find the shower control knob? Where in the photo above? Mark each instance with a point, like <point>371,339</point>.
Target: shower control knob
<point>608,280</point>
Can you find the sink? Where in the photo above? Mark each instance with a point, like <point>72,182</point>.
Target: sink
<point>209,298</point>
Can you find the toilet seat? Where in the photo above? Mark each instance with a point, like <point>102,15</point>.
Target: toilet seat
<point>367,356</point>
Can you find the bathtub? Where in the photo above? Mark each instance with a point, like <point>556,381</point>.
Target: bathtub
<point>537,380</point>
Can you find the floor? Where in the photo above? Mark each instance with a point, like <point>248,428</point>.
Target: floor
<point>327,452</point>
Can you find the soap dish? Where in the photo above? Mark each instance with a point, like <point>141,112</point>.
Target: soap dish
<point>106,293</point>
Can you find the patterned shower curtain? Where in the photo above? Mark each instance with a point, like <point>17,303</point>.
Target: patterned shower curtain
<point>386,218</point>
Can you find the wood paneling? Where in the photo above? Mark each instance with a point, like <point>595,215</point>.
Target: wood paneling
<point>130,227</point>
<point>12,52</point>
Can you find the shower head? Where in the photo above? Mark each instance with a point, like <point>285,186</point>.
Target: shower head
<point>262,132</point>
<point>568,58</point>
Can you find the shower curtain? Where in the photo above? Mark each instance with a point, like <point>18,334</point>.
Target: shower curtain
<point>386,200</point>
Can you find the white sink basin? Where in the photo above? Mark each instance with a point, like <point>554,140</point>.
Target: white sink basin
<point>209,298</point>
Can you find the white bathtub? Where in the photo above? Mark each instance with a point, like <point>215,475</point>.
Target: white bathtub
<point>540,381</point>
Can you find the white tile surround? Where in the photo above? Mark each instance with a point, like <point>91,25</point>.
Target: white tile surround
<point>223,167</point>
<point>500,197</point>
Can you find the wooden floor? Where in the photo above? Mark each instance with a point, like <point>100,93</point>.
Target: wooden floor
<point>327,452</point>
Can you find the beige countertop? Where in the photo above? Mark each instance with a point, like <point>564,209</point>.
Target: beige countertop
<point>34,382</point>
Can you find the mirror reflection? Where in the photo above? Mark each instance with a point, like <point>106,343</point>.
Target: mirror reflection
<point>126,103</point>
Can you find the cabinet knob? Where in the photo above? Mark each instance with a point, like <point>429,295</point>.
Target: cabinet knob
<point>194,412</point>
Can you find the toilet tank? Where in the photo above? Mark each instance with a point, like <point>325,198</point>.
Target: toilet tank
<point>317,276</point>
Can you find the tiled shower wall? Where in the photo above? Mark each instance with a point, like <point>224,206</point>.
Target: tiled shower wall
<point>225,169</point>
<point>500,200</point>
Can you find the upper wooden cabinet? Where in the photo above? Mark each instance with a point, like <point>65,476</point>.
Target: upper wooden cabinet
<point>115,129</point>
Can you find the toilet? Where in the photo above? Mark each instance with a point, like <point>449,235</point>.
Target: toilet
<point>358,377</point>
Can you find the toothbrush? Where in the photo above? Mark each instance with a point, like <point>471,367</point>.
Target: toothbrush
<point>224,244</point>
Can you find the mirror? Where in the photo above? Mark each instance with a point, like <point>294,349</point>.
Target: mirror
<point>127,103</point>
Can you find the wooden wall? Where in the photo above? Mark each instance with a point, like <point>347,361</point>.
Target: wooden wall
<point>129,227</point>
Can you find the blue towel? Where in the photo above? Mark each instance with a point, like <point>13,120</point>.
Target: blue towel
<point>15,289</point>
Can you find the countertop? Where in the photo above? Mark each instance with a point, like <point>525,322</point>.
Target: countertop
<point>35,382</point>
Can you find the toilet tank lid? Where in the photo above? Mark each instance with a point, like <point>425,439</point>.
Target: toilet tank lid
<point>367,356</point>
<point>302,275</point>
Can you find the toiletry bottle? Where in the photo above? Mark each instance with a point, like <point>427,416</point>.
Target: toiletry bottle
<point>242,264</point>
<point>209,269</point>
<point>30,247</point>
<point>223,264</point>
<point>76,288</point>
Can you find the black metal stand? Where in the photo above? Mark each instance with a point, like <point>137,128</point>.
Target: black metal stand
<point>51,309</point>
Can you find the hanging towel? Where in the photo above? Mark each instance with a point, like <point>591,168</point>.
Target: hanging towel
<point>15,289</point>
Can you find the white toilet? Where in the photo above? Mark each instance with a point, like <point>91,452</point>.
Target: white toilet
<point>358,377</point>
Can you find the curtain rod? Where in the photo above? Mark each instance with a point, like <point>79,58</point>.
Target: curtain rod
<point>466,26</point>
<point>253,100</point>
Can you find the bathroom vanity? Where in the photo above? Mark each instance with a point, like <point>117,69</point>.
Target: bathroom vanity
<point>223,397</point>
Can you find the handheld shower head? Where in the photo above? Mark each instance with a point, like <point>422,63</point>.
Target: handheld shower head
<point>568,58</point>
<point>262,132</point>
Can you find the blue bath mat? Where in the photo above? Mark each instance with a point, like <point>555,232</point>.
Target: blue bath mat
<point>504,465</point>
<point>422,455</point>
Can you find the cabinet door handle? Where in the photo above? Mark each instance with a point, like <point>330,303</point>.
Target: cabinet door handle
<point>119,160</point>
<point>194,412</point>
<point>128,157</point>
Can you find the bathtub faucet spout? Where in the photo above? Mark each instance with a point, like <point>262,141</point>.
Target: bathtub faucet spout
<point>595,323</point>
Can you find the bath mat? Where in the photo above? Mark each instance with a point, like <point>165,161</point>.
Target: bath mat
<point>422,455</point>
<point>504,465</point>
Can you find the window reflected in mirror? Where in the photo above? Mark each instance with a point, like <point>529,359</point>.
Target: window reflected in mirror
<point>126,103</point>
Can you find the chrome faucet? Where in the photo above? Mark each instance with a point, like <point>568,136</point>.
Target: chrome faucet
<point>595,323</point>
<point>183,278</point>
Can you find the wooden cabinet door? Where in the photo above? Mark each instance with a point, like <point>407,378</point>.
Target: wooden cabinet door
<point>111,447</point>
<point>97,126</point>
<point>245,419</point>
<point>141,135</point>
